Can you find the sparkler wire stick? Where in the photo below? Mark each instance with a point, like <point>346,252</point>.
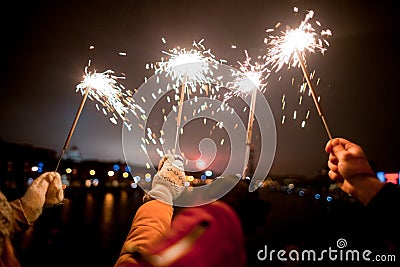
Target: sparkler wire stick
<point>71,131</point>
<point>249,132</point>
<point>307,76</point>
<point>178,123</point>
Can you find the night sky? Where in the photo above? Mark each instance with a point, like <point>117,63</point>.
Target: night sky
<point>45,47</point>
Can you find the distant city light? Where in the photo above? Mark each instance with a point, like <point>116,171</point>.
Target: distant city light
<point>92,172</point>
<point>208,173</point>
<point>125,175</point>
<point>115,183</point>
<point>68,170</point>
<point>389,177</point>
<point>40,167</point>
<point>381,176</point>
<point>136,178</point>
<point>64,180</point>
<point>110,173</point>
<point>35,168</point>
<point>147,177</point>
<point>116,167</point>
<point>392,178</point>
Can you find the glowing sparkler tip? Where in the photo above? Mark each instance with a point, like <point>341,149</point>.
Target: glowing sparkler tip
<point>284,49</point>
<point>250,77</point>
<point>188,66</point>
<point>104,88</point>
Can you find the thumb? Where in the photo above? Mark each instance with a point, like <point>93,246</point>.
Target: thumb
<point>337,148</point>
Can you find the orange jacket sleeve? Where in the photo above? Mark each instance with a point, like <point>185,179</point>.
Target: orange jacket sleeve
<point>151,222</point>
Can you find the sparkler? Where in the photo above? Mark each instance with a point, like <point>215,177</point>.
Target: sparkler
<point>290,48</point>
<point>249,80</point>
<point>104,88</point>
<point>188,68</point>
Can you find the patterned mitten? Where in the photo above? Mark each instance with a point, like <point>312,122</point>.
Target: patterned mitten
<point>168,183</point>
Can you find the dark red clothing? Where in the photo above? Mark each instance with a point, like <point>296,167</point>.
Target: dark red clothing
<point>203,236</point>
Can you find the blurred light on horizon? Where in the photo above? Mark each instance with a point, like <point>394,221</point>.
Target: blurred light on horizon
<point>116,167</point>
<point>208,173</point>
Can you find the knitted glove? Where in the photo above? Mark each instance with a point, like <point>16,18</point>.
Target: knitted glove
<point>44,189</point>
<point>168,183</point>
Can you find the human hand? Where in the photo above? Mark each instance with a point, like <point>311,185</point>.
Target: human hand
<point>168,183</point>
<point>47,189</point>
<point>350,169</point>
<point>55,192</point>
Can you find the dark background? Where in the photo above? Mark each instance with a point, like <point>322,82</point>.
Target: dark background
<point>45,46</point>
<point>90,228</point>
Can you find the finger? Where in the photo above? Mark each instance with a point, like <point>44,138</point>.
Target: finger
<point>58,184</point>
<point>328,146</point>
<point>41,181</point>
<point>336,177</point>
<point>48,176</point>
<point>333,159</point>
<point>333,162</point>
<point>60,195</point>
<point>354,149</point>
<point>57,175</point>
<point>332,143</point>
<point>338,149</point>
<point>333,167</point>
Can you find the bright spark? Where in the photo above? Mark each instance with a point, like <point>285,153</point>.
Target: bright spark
<point>191,67</point>
<point>250,77</point>
<point>104,88</point>
<point>302,39</point>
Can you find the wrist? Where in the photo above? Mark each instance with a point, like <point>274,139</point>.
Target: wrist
<point>365,189</point>
<point>31,213</point>
<point>162,193</point>
<point>147,197</point>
